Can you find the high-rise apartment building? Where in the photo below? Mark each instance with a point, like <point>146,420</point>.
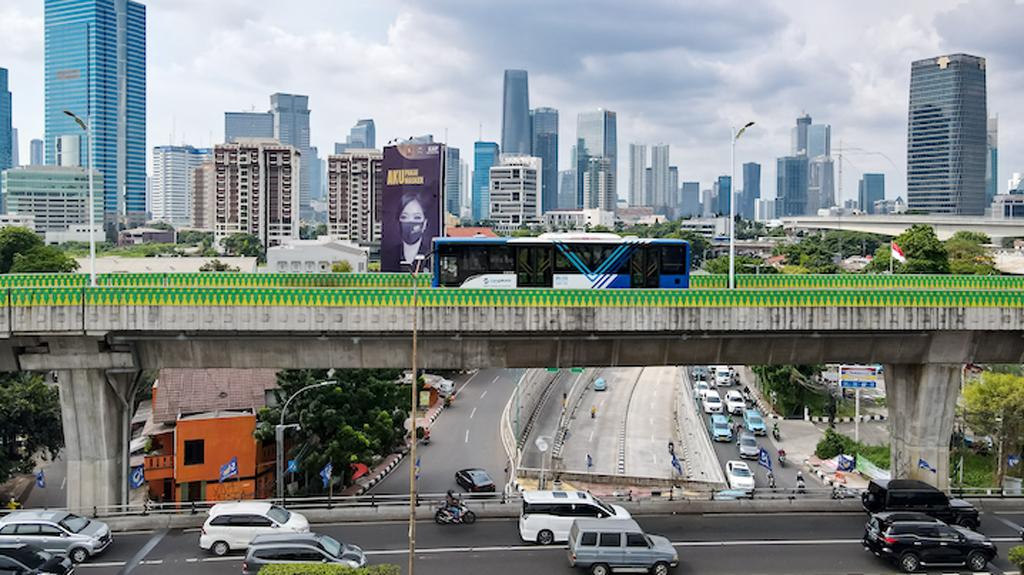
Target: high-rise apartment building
<point>355,186</point>
<point>485,155</point>
<point>171,192</point>
<point>708,203</point>
<point>674,201</point>
<point>6,131</point>
<point>257,191</point>
<point>515,192</point>
<point>596,137</point>
<point>362,136</point>
<point>751,189</point>
<point>515,113</point>
<point>248,125</point>
<point>544,138</point>
<point>599,185</point>
<point>791,186</point>
<point>57,198</point>
<point>820,184</point>
<point>95,67</point>
<point>637,167</point>
<point>204,196</point>
<point>764,210</point>
<point>35,153</point>
<point>870,189</point>
<point>660,195</point>
<point>690,206</point>
<point>800,135</point>
<point>946,135</point>
<point>723,193</point>
<point>452,181</point>
<point>992,160</point>
<point>567,189</point>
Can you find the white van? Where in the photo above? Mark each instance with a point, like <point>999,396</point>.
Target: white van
<point>724,375</point>
<point>547,516</point>
<point>231,526</point>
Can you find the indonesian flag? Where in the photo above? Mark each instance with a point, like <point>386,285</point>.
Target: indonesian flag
<point>897,253</point>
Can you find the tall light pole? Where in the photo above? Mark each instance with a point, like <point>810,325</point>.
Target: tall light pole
<point>92,197</point>
<point>415,269</point>
<point>732,206</point>
<point>279,434</point>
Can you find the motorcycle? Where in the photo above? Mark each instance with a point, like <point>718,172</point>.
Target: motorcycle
<point>771,480</point>
<point>782,458</point>
<point>446,516</point>
<point>776,433</point>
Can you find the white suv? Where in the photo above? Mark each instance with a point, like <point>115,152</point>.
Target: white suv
<point>231,526</point>
<point>713,402</point>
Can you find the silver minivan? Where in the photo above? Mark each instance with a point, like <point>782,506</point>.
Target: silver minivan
<point>57,532</point>
<point>607,545</point>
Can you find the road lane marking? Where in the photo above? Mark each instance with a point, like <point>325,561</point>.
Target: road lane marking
<point>472,413</point>
<point>463,386</point>
<point>484,394</point>
<point>63,483</point>
<point>467,436</point>
<point>1011,524</point>
<point>496,378</point>
<point>140,555</point>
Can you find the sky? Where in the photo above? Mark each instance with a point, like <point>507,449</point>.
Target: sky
<point>676,72</point>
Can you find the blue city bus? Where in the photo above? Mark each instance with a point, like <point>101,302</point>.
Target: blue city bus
<point>574,261</point>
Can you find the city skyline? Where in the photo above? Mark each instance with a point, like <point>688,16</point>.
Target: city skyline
<point>722,79</point>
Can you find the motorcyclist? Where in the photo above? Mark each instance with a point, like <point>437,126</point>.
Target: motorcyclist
<point>771,480</point>
<point>782,457</point>
<point>800,484</point>
<point>453,504</point>
<point>775,430</point>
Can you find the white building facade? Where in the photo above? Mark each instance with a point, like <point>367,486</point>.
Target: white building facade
<point>171,186</point>
<point>515,192</point>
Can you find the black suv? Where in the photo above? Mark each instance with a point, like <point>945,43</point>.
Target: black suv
<point>915,540</point>
<point>918,496</point>
<point>24,559</point>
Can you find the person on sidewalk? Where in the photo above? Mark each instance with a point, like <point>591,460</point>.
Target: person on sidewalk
<point>13,504</point>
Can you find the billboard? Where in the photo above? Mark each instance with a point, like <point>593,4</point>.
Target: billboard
<point>412,211</point>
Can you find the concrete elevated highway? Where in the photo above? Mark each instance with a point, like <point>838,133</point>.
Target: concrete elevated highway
<point>98,339</point>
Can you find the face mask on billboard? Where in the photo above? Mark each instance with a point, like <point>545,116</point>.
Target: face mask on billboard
<point>412,232</point>
<point>412,222</point>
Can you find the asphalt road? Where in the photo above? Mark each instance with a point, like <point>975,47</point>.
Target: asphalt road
<point>598,436</point>
<point>466,434</point>
<point>546,423</point>
<point>54,494</point>
<point>765,544</point>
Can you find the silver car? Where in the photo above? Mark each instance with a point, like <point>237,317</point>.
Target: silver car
<point>57,532</point>
<point>749,449</point>
<point>602,546</point>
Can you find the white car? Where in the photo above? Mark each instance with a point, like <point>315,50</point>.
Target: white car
<point>734,402</point>
<point>739,475</point>
<point>723,375</point>
<point>700,388</point>
<point>712,402</point>
<point>231,526</point>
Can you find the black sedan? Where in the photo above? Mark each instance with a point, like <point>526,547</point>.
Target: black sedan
<point>475,480</point>
<point>29,559</point>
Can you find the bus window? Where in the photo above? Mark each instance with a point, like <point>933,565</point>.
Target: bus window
<point>449,265</point>
<point>673,260</point>
<point>500,259</point>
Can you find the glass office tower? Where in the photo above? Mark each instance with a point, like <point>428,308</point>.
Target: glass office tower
<point>485,155</point>
<point>544,136</point>
<point>515,114</point>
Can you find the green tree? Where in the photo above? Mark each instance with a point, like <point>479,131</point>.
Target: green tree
<point>847,243</point>
<point>161,226</point>
<point>968,255</point>
<point>43,259</point>
<point>995,406</point>
<point>355,421</point>
<point>790,387</point>
<point>811,254</point>
<point>195,238</point>
<point>245,245</point>
<point>924,252</point>
<point>215,265</point>
<point>13,241</point>
<point>30,422</point>
<point>341,267</point>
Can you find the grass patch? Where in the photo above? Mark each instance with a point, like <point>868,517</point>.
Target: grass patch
<point>979,470</point>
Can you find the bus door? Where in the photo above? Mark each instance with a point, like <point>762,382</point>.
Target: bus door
<point>533,266</point>
<point>643,268</point>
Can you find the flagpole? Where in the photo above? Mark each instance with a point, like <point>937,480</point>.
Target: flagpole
<point>890,258</point>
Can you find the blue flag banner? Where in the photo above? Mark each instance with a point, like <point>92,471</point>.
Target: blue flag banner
<point>40,479</point>
<point>922,464</point>
<point>137,477</point>
<point>590,462</point>
<point>1013,460</point>
<point>764,459</point>
<point>417,467</point>
<point>845,463</point>
<point>675,463</point>
<point>325,473</point>
<point>293,466</point>
<point>229,469</point>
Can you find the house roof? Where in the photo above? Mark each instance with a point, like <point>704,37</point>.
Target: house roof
<point>460,232</point>
<point>182,392</point>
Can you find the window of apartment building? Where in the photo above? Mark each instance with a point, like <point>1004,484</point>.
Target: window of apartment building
<point>194,449</point>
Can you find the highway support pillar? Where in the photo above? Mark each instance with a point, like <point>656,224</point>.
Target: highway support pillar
<point>922,403</point>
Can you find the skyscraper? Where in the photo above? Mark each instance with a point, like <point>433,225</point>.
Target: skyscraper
<point>362,136</point>
<point>820,184</point>
<point>452,181</point>
<point>870,189</point>
<point>544,137</point>
<point>515,114</point>
<point>659,178</point>
<point>819,140</point>
<point>599,185</point>
<point>291,128</point>
<point>946,134</point>
<point>723,189</point>
<point>35,152</point>
<point>485,155</point>
<point>751,189</point>
<point>355,184</point>
<point>691,200</point>
<point>992,160</point>
<point>6,135</point>
<point>567,189</point>
<point>95,53</point>
<point>171,188</point>
<point>791,186</point>
<point>15,159</point>
<point>596,137</point>
<point>515,187</point>
<point>800,133</point>
<point>247,125</point>
<point>637,167</point>
<point>674,201</point>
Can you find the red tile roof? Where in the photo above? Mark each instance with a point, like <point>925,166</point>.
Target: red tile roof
<point>187,391</point>
<point>460,232</point>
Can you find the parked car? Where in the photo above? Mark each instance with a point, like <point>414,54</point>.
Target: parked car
<point>25,559</point>
<point>700,389</point>
<point>312,548</point>
<point>57,532</point>
<point>739,475</point>
<point>735,403</point>
<point>754,423</point>
<point>748,447</point>
<point>603,546</point>
<point>915,540</point>
<point>231,526</point>
<point>600,384</point>
<point>547,516</point>
<point>474,480</point>
<point>721,430</point>
<point>917,496</point>
<point>713,402</point>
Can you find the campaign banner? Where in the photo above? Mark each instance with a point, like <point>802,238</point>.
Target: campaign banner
<point>412,207</point>
<point>854,376</point>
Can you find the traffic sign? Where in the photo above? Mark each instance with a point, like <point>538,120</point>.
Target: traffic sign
<point>553,369</point>
<point>576,370</point>
<point>542,444</point>
<point>859,376</point>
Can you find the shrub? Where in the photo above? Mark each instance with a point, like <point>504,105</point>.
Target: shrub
<point>327,569</point>
<point>1016,557</point>
<point>832,444</point>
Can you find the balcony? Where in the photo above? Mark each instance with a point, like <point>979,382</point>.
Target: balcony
<point>159,467</point>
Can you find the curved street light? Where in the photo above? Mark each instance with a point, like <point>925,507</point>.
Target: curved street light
<point>732,206</point>
<point>279,435</point>
<point>92,197</point>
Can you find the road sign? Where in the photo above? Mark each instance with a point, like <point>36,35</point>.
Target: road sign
<point>764,459</point>
<point>542,444</point>
<point>138,477</point>
<point>553,369</point>
<point>859,376</point>
<point>577,370</point>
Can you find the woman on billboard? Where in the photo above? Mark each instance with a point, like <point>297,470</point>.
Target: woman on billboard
<point>412,221</point>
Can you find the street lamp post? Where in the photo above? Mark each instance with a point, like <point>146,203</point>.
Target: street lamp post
<point>92,196</point>
<point>732,206</point>
<point>279,435</point>
<point>415,269</point>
